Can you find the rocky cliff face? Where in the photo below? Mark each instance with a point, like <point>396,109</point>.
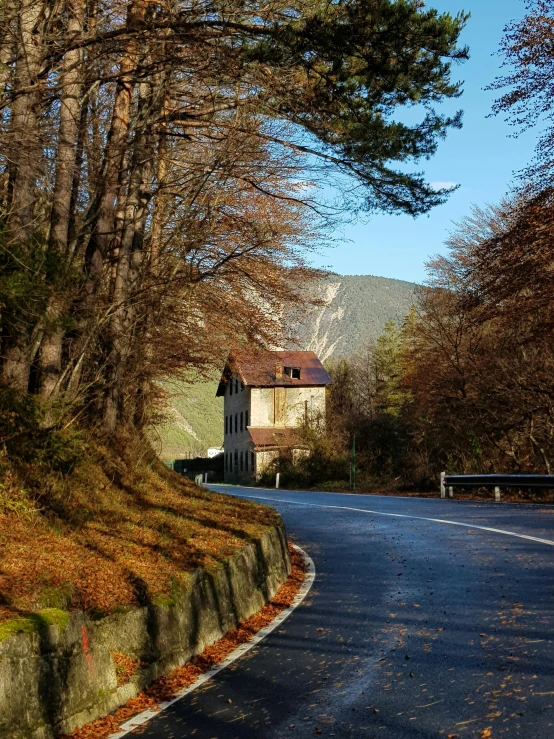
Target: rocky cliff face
<point>355,310</point>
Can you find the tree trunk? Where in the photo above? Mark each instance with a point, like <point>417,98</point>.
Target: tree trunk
<point>25,149</point>
<point>50,359</point>
<point>8,14</point>
<point>116,149</point>
<point>130,256</point>
<point>26,159</point>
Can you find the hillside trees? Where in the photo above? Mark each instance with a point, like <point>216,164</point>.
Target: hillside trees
<point>481,349</point>
<point>476,357</point>
<point>369,400</point>
<point>150,161</point>
<point>528,85</point>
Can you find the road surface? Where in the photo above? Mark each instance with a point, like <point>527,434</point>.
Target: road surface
<point>414,628</point>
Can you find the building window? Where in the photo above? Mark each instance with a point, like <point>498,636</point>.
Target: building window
<point>246,461</point>
<point>241,419</point>
<point>236,461</point>
<point>245,419</point>
<point>236,385</point>
<point>236,423</point>
<point>226,424</point>
<point>241,457</point>
<point>292,372</point>
<point>231,386</point>
<point>253,460</point>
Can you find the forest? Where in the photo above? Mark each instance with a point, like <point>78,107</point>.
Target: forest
<point>159,170</point>
<point>465,382</point>
<point>153,169</point>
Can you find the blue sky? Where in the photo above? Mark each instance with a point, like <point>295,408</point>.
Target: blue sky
<point>482,158</point>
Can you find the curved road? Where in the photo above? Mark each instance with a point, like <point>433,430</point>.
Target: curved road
<point>414,628</point>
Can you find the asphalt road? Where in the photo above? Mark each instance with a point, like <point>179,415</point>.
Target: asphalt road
<point>414,629</point>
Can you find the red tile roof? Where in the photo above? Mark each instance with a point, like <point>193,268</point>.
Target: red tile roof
<point>273,437</point>
<point>258,369</point>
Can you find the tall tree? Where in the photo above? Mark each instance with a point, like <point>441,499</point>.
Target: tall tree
<point>529,56</point>
<point>151,206</point>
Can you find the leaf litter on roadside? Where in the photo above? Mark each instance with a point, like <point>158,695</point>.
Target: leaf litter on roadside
<point>168,685</point>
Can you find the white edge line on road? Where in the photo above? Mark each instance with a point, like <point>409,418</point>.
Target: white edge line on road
<point>142,718</point>
<point>406,515</point>
<point>366,496</point>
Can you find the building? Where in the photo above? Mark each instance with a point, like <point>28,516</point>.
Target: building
<point>267,397</point>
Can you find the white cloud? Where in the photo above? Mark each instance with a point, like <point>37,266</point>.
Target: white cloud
<point>442,185</point>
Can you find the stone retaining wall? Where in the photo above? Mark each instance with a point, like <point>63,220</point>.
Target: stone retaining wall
<point>59,678</point>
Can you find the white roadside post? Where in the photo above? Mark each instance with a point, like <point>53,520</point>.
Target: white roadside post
<point>443,489</point>
<point>451,492</point>
<point>497,495</point>
<point>277,477</point>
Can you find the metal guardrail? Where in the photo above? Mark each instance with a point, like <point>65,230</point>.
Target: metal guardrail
<point>493,481</point>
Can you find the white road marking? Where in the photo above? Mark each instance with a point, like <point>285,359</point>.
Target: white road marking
<point>406,515</point>
<point>143,718</point>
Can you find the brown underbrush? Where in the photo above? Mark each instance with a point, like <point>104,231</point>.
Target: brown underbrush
<point>119,530</point>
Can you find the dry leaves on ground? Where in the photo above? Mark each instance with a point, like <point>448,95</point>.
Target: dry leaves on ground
<point>166,687</point>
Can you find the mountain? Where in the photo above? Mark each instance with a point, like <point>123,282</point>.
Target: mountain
<point>194,422</point>
<point>355,310</point>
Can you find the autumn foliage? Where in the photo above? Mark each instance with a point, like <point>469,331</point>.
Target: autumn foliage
<point>124,532</point>
<point>166,687</point>
<point>157,174</point>
<point>466,382</point>
<point>159,164</point>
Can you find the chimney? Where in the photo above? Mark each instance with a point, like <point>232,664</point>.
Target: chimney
<point>279,371</point>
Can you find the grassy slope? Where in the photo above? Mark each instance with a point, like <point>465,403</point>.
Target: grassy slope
<point>122,530</point>
<point>195,421</point>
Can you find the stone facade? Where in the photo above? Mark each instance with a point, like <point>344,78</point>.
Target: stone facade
<point>255,402</point>
<point>240,460</point>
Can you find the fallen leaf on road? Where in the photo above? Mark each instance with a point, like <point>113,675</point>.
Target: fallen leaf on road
<point>486,734</point>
